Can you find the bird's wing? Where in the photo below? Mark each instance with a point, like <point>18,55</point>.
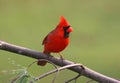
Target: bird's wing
<point>45,40</point>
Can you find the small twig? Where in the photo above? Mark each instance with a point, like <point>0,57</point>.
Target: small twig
<point>59,69</point>
<point>30,65</point>
<point>19,76</point>
<point>89,81</point>
<point>48,62</point>
<point>54,67</point>
<point>15,79</point>
<point>74,78</point>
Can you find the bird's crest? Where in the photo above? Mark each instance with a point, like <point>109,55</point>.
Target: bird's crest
<point>63,21</point>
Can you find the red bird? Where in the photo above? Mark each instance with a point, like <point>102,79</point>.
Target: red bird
<point>57,40</point>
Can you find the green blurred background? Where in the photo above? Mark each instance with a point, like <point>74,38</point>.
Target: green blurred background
<point>95,41</point>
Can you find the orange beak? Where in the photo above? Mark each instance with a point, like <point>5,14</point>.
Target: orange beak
<point>69,29</point>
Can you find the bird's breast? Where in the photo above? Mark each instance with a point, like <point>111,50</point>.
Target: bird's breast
<point>56,44</point>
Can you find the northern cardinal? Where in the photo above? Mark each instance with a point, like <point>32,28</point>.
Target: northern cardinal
<point>57,40</point>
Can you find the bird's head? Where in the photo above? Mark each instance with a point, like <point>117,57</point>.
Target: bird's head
<point>65,26</point>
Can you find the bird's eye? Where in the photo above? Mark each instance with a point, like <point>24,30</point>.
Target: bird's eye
<point>66,27</point>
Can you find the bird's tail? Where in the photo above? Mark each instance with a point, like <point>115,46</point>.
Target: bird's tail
<point>42,63</point>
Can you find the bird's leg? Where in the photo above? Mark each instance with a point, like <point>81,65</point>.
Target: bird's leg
<point>48,54</point>
<point>61,57</point>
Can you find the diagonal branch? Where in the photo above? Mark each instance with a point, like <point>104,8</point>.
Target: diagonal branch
<point>39,55</point>
<point>56,70</point>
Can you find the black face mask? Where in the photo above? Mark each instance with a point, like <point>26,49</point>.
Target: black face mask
<point>66,34</point>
